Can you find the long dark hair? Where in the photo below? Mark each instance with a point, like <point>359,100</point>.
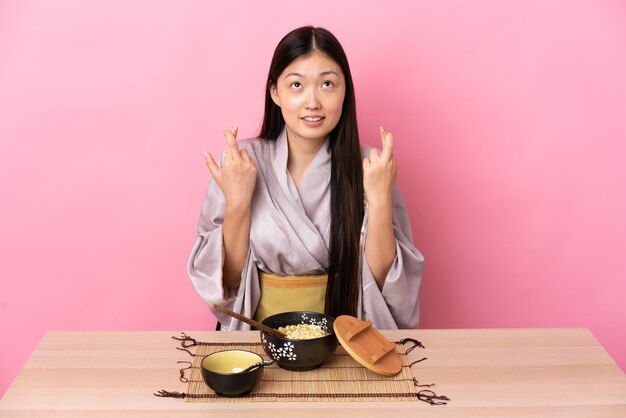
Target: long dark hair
<point>346,179</point>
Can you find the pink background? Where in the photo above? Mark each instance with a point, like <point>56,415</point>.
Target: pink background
<point>509,119</point>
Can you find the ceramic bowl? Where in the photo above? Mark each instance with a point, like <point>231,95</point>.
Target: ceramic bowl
<point>299,355</point>
<point>221,372</point>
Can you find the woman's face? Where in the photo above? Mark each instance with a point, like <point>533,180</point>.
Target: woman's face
<point>310,93</point>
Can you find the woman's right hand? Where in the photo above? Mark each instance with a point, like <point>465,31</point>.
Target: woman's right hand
<point>237,176</point>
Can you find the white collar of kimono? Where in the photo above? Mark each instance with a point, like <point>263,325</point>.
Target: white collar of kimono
<point>279,162</point>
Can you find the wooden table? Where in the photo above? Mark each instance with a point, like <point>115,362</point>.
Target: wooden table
<point>485,373</point>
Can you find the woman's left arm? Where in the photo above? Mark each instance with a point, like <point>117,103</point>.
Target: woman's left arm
<point>379,177</point>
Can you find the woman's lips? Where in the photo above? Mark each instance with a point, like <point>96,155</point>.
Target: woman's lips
<point>313,121</point>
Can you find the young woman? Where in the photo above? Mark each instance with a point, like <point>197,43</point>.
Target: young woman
<point>303,217</point>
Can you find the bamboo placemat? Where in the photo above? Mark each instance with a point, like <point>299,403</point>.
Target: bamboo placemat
<point>339,379</point>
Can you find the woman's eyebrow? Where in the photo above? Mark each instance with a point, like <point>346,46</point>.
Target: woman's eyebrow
<point>323,73</point>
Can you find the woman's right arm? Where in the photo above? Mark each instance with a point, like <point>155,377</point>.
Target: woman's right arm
<point>236,178</point>
<point>236,236</point>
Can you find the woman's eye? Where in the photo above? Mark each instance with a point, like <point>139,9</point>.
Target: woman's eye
<point>327,84</point>
<point>296,85</point>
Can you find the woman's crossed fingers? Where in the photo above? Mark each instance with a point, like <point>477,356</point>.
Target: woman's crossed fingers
<point>386,139</point>
<point>237,176</point>
<point>379,170</point>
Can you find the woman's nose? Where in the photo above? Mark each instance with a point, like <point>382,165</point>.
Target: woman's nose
<point>312,101</point>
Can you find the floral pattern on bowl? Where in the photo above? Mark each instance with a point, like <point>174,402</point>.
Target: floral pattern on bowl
<point>285,351</point>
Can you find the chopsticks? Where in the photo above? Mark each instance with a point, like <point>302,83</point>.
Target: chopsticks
<point>250,321</point>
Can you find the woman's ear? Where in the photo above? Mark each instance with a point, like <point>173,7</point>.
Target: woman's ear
<point>274,94</point>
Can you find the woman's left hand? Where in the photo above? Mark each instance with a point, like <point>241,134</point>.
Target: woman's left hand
<point>380,171</point>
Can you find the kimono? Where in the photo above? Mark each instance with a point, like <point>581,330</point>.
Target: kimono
<point>290,235</point>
